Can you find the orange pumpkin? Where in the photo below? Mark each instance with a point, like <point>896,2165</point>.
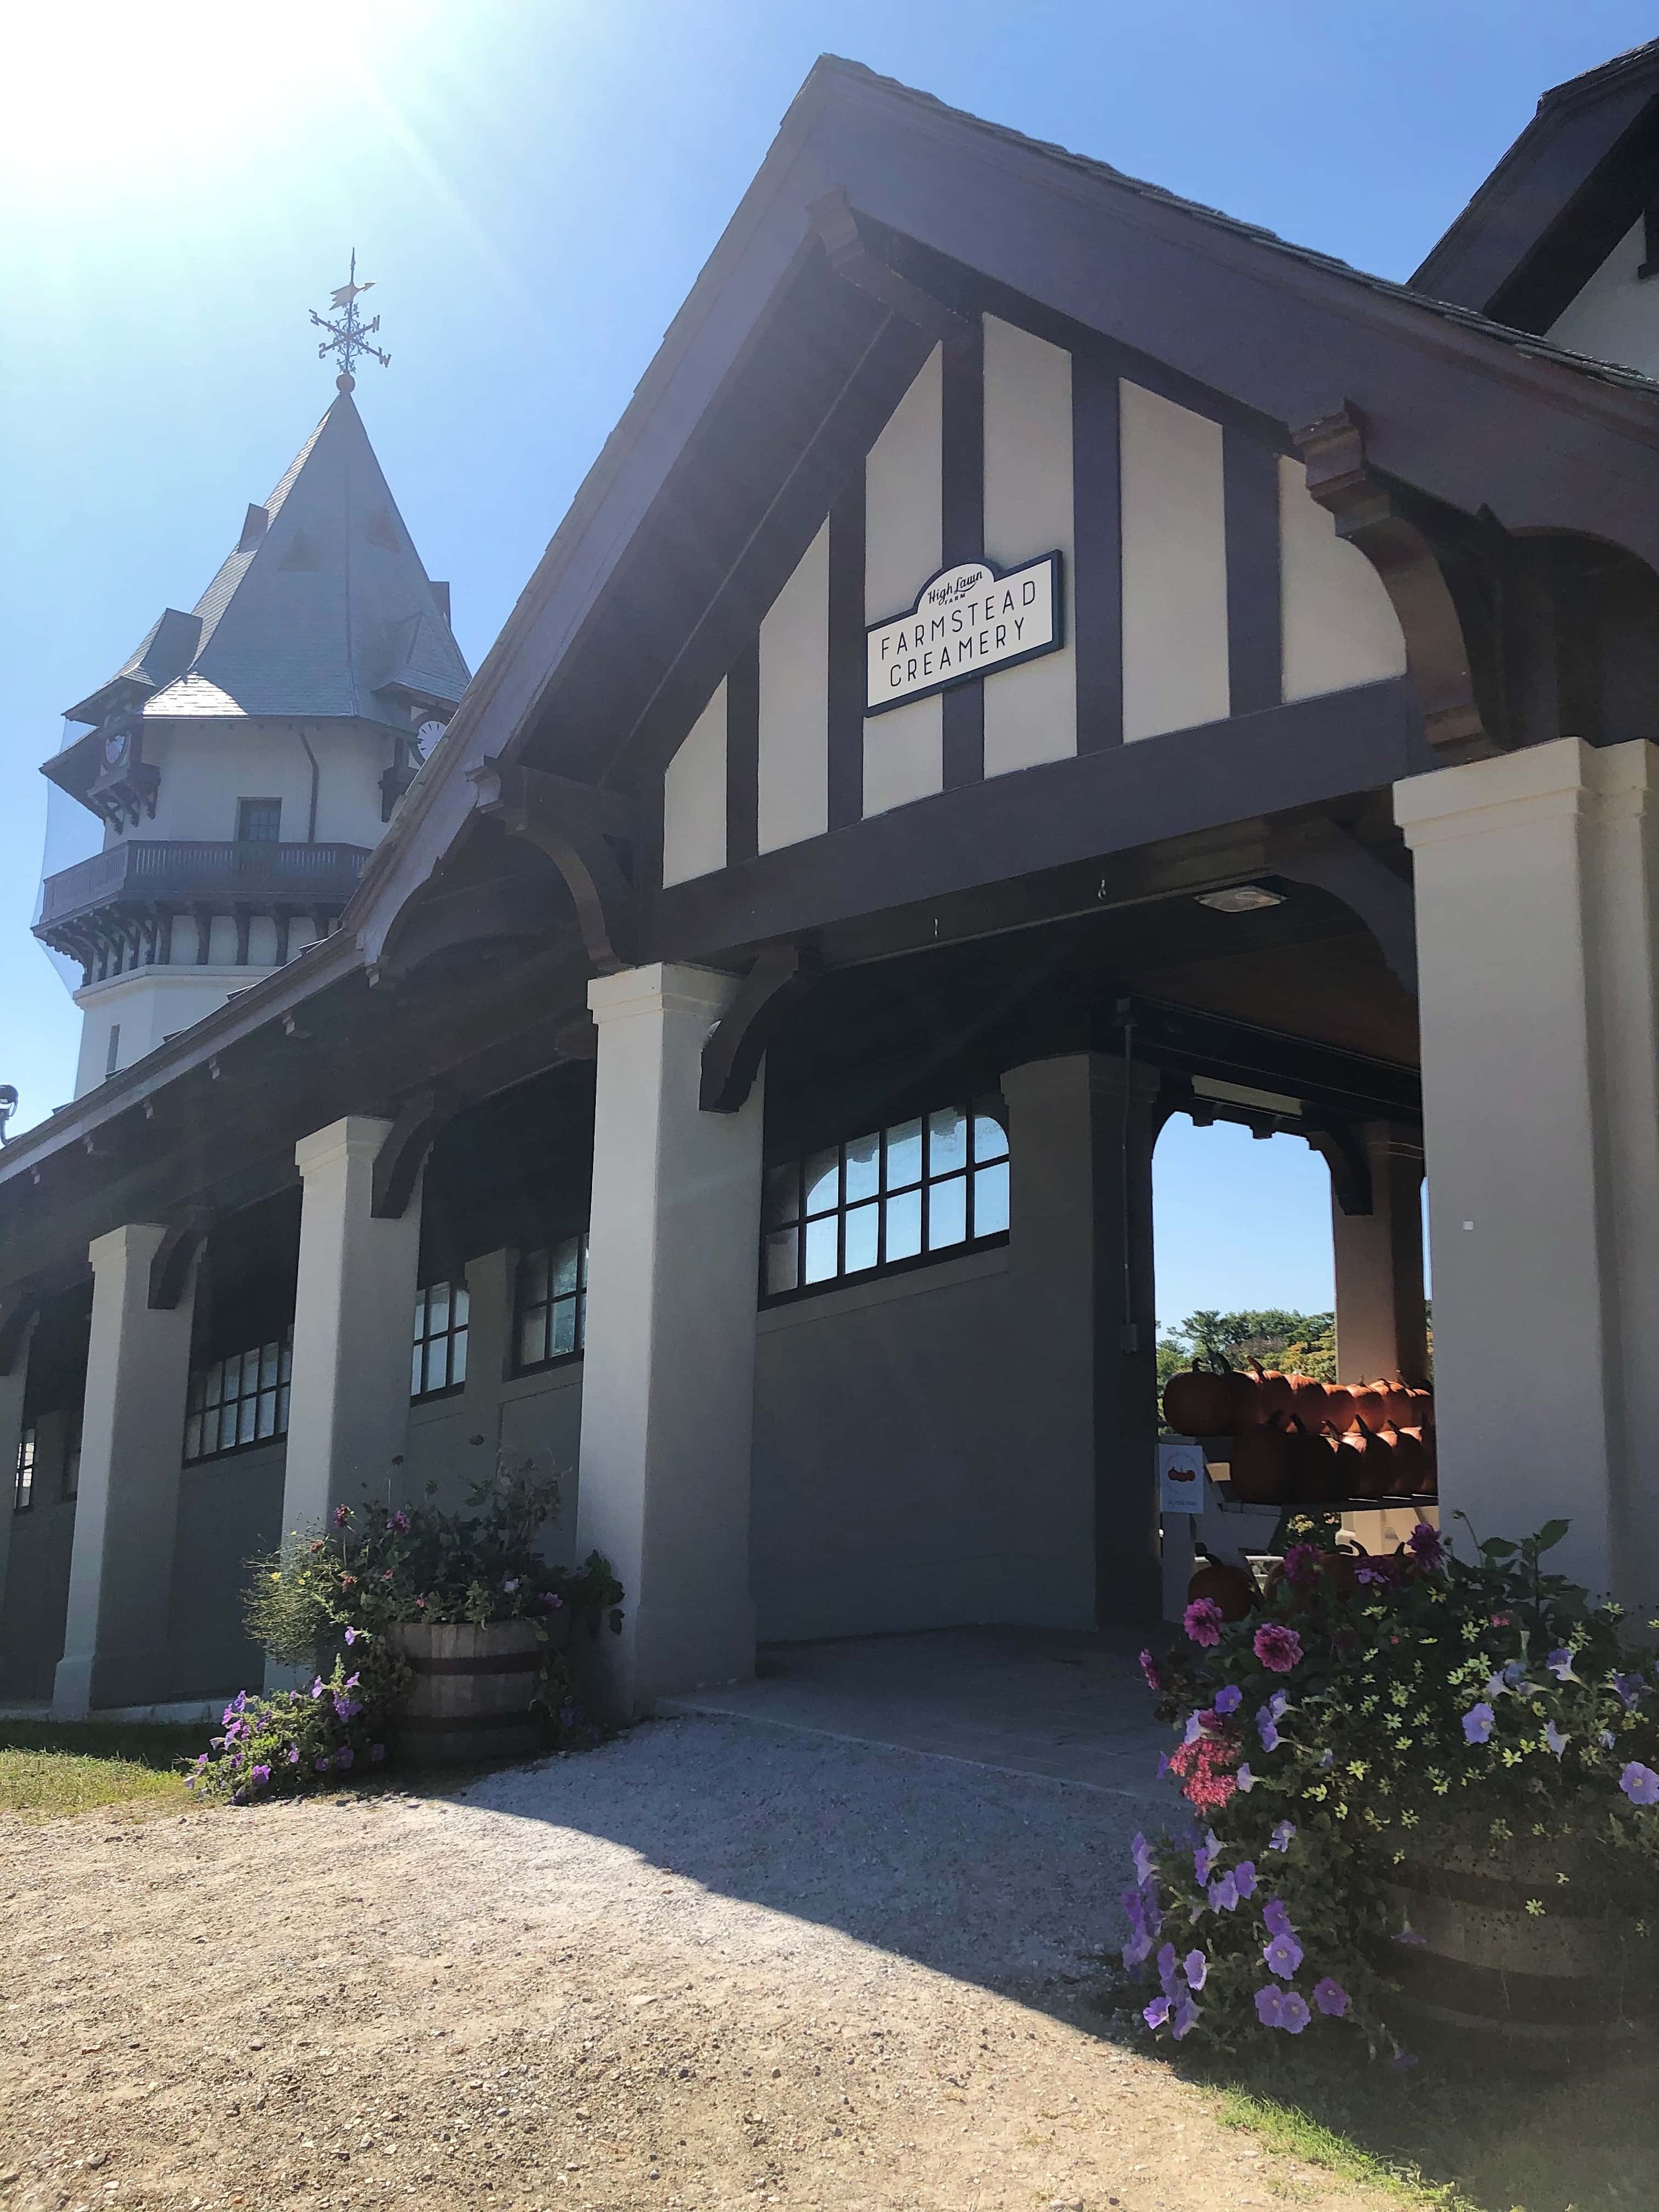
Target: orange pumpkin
<point>1261,1466</point>
<point>1197,1403</point>
<point>1232,1588</point>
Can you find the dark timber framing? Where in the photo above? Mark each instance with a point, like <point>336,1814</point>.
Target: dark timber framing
<point>1097,558</point>
<point>962,534</point>
<point>743,755</point>
<point>1255,649</point>
<point>846,619</point>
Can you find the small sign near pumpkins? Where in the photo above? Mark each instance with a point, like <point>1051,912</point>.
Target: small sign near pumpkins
<point>1184,1483</point>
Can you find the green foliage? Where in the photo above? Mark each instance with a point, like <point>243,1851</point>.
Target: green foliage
<point>1372,1713</point>
<point>1274,1335</point>
<point>50,1769</point>
<point>372,1567</point>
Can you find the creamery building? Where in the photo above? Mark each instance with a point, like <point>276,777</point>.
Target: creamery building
<point>1035,656</point>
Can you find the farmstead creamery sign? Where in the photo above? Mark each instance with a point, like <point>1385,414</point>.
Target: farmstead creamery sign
<point>965,621</point>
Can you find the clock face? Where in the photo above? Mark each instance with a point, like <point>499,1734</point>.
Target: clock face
<point>115,749</point>
<point>428,736</point>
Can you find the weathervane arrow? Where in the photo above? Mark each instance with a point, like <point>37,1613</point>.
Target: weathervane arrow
<point>349,336</point>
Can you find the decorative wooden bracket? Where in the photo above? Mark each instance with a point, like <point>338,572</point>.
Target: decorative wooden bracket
<point>1333,859</point>
<point>580,829</point>
<point>1383,521</point>
<point>731,1057</point>
<point>17,1309</point>
<point>402,1152</point>
<point>853,258</point>
<point>169,1267</point>
<point>1351,1170</point>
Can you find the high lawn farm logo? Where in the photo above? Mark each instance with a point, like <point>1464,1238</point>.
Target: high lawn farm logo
<point>966,621</point>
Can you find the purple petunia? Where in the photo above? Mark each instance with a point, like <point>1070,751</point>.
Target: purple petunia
<point>342,1757</point>
<point>1282,1836</point>
<point>1278,1648</point>
<point>1629,1688</point>
<point>294,1755</point>
<point>1330,1998</point>
<point>1285,2008</point>
<point>1640,1783</point>
<point>1267,1729</point>
<point>1194,1729</point>
<point>1141,1852</point>
<point>1138,1949</point>
<point>352,1636</point>
<point>1244,1878</point>
<point>398,1524</point>
<point>1243,1776</point>
<point>1553,1738</point>
<point>259,1776</point>
<point>1203,1621</point>
<point>1559,1664</point>
<point>1195,1966</point>
<point>1157,2013</point>
<point>1228,1698</point>
<point>1282,1955</point>
<point>322,1764</point>
<point>317,1687</point>
<point>1205,1856</point>
<point>1478,1723</point>
<point>1426,1545</point>
<point>554,1603</point>
<point>1183,2015</point>
<point>1166,1965</point>
<point>1410,1935</point>
<point>1276,1917</point>
<point>1224,1894</point>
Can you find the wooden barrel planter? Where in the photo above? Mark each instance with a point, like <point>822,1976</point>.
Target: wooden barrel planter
<point>1498,1985</point>
<point>471,1692</point>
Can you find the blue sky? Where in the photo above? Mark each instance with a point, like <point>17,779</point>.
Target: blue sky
<point>533,186</point>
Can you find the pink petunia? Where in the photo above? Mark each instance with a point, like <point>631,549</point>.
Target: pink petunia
<point>1278,1648</point>
<point>1202,1622</point>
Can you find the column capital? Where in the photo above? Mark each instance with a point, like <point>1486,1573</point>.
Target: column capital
<point>134,1242</point>
<point>358,1136</point>
<point>665,987</point>
<point>1510,791</point>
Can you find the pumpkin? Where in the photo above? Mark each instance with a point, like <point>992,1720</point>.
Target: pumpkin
<point>1307,1399</point>
<point>1312,1469</point>
<point>1197,1403</point>
<point>1261,1465</point>
<point>1371,1403</point>
<point>1410,1476</point>
<point>1232,1588</point>
<point>1273,1391</point>
<point>1244,1408</point>
<point>1346,1468</point>
<point>1338,1406</point>
<point>1374,1456</point>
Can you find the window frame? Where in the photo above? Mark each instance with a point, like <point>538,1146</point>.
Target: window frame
<point>990,1105</point>
<point>578,1297</point>
<point>244,808</point>
<point>198,1410</point>
<point>22,1490</point>
<point>422,1338</point>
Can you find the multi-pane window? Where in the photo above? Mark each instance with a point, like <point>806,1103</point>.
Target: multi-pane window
<point>259,821</point>
<point>550,1305</point>
<point>23,1496</point>
<point>927,1186</point>
<point>439,1360</point>
<point>239,1401</point>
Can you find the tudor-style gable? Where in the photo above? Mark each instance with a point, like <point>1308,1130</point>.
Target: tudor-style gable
<point>1195,577</point>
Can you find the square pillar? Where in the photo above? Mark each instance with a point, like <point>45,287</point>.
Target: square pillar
<point>1382,1330</point>
<point>14,1385</point>
<point>1537,878</point>
<point>1080,1136</point>
<point>668,1379</point>
<point>353,1326</point>
<point>132,1441</point>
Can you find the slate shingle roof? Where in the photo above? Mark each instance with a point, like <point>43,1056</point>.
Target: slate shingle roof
<point>313,614</point>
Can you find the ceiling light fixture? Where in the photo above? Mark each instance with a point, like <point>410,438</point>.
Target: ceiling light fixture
<point>1240,898</point>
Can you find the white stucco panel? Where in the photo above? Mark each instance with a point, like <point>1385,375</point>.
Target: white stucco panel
<point>1616,316</point>
<point>1338,626</point>
<point>904,750</point>
<point>1031,713</point>
<point>794,704</point>
<point>1175,566</point>
<point>694,798</point>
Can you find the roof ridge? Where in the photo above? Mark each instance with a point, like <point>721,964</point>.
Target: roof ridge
<point>1089,165</point>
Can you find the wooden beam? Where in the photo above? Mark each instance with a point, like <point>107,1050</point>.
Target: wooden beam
<point>580,829</point>
<point>1334,859</point>
<point>404,1151</point>
<point>731,1057</point>
<point>18,1308</point>
<point>170,1264</point>
<point>853,257</point>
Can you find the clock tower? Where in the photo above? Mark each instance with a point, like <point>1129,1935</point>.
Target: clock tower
<point>245,759</point>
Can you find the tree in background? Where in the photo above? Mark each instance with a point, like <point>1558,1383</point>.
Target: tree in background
<point>1273,1335</point>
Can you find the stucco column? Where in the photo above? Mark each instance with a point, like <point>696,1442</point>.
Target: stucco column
<point>1537,876</point>
<point>1080,1254</point>
<point>353,1324</point>
<point>1381,1328</point>
<point>133,1441</point>
<point>12,1389</point>
<point>668,1377</point>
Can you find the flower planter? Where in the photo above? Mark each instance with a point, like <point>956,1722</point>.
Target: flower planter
<point>1569,1988</point>
<point>471,1695</point>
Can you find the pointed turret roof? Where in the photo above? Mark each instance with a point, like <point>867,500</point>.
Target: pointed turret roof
<point>322,609</point>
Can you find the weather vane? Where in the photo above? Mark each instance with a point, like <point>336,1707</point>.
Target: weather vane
<point>350,335</point>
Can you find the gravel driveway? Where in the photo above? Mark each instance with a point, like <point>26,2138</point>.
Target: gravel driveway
<point>715,1964</point>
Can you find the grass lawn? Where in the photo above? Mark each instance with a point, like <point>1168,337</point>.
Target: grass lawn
<point>49,1769</point>
<point>1460,2139</point>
